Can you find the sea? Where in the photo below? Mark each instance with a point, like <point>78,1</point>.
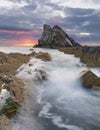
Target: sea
<point>60,102</point>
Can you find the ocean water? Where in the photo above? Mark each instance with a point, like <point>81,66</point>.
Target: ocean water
<point>60,102</point>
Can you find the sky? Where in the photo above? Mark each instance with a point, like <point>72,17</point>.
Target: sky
<point>21,21</point>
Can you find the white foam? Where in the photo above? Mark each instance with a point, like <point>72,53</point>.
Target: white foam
<point>96,71</point>
<point>57,120</point>
<point>23,50</point>
<point>3,96</point>
<point>45,111</point>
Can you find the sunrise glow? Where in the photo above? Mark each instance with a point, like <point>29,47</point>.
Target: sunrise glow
<point>26,43</point>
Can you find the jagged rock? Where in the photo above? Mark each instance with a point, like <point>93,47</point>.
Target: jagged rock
<point>40,76</point>
<point>90,59</point>
<point>3,58</point>
<point>5,78</point>
<point>11,62</point>
<point>32,54</point>
<point>90,80</point>
<point>43,56</point>
<point>94,51</point>
<point>14,85</point>
<point>16,89</point>
<point>55,38</point>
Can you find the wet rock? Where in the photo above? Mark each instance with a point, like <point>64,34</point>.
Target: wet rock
<point>13,62</point>
<point>43,56</point>
<point>14,85</point>
<point>32,49</point>
<point>3,58</point>
<point>32,54</point>
<point>40,75</point>
<point>40,55</point>
<point>90,80</point>
<point>10,108</point>
<point>6,79</point>
<point>96,87</point>
<point>43,74</point>
<point>90,60</point>
<point>94,51</point>
<point>5,123</point>
<point>55,38</point>
<point>30,65</point>
<point>16,89</point>
<point>68,50</point>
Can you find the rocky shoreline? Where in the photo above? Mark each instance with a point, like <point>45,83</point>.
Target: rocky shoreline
<point>88,55</point>
<point>56,38</point>
<point>10,83</point>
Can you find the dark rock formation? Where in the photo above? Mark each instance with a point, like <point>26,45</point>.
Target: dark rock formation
<point>55,38</point>
<point>94,51</point>
<point>90,80</point>
<point>88,55</point>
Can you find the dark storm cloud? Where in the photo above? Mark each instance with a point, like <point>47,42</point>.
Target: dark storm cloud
<point>78,11</point>
<point>83,20</point>
<point>13,28</point>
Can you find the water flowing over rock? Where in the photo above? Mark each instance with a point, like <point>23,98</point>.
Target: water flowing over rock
<point>55,38</point>
<point>88,55</point>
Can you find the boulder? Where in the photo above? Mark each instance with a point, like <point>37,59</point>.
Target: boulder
<point>43,56</point>
<point>90,80</point>
<point>41,75</point>
<point>55,38</point>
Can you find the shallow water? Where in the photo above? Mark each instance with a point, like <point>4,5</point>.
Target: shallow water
<point>60,102</point>
<point>64,101</point>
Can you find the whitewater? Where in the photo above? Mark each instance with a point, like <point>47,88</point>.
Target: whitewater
<point>59,102</point>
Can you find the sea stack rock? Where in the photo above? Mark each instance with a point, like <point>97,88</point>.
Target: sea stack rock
<point>55,38</point>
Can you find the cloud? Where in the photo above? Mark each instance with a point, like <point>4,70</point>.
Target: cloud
<point>78,4</point>
<point>21,19</point>
<point>9,4</point>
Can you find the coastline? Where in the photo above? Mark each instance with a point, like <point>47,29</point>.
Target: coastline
<point>16,61</point>
<point>10,65</point>
<point>9,82</point>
